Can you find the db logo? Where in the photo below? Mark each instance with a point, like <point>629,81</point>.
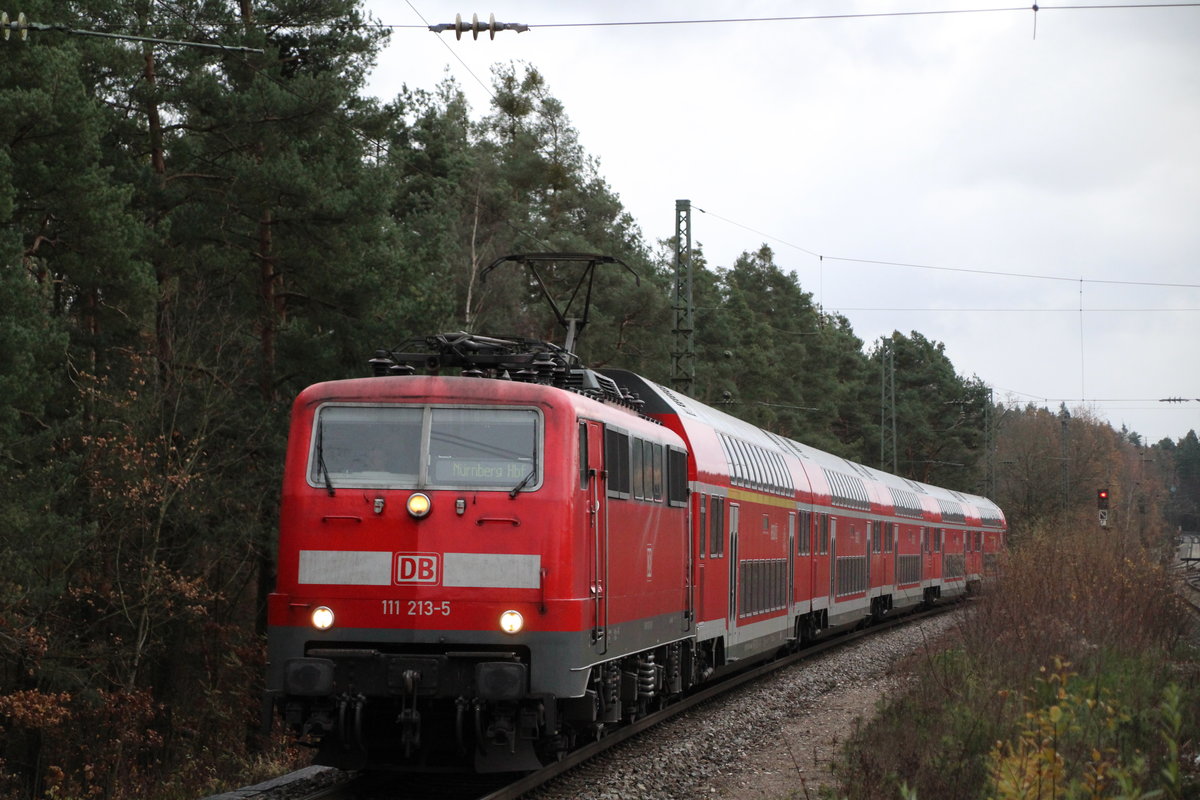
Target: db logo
<point>416,568</point>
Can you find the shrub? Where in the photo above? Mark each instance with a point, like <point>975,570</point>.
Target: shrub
<point>1066,676</point>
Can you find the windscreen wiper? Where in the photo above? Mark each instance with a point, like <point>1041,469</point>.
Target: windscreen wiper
<point>324,470</point>
<point>523,483</point>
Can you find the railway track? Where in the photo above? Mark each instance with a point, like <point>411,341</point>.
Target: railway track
<point>382,785</point>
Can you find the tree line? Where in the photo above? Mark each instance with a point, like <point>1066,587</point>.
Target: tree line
<point>190,236</point>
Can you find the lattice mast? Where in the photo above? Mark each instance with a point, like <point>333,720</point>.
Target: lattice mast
<point>683,353</point>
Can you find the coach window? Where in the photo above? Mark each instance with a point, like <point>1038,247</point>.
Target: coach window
<point>702,527</point>
<point>760,480</point>
<point>785,477</point>
<point>764,474</point>
<point>734,459</point>
<point>776,475</point>
<point>742,465</point>
<point>751,465</point>
<point>760,477</point>
<point>729,459</point>
<point>716,518</point>
<point>737,462</point>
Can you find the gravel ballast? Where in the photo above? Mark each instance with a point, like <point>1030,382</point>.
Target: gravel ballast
<point>773,739</point>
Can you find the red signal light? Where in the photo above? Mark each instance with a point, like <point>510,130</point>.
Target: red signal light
<point>1102,498</point>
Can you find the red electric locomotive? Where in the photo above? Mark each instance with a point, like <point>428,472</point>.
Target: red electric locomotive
<point>450,569</point>
<point>479,570</point>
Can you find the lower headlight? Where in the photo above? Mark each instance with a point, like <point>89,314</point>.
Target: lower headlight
<point>512,622</point>
<point>322,618</point>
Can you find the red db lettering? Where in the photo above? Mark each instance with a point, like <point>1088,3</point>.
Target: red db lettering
<point>416,568</point>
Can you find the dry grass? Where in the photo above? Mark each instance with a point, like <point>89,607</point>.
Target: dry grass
<point>1080,620</point>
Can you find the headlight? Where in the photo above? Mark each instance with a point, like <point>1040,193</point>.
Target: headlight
<point>419,504</point>
<point>322,618</point>
<point>512,622</point>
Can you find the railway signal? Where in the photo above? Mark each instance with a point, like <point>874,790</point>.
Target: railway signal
<point>1102,506</point>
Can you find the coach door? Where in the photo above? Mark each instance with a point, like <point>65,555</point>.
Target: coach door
<point>733,564</point>
<point>893,533</point>
<point>593,480</point>
<point>926,555</point>
<point>791,565</point>
<point>832,561</point>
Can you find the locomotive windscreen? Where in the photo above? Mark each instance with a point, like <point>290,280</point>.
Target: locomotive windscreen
<point>406,446</point>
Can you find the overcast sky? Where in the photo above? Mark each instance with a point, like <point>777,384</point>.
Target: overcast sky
<point>956,141</point>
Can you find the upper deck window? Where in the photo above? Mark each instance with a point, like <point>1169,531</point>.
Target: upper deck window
<point>425,447</point>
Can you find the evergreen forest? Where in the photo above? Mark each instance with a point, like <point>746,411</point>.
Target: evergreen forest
<point>189,236</point>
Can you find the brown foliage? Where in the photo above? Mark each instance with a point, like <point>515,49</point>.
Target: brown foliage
<point>1074,593</point>
<point>1100,600</point>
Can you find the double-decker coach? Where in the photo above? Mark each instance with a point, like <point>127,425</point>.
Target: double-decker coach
<point>790,541</point>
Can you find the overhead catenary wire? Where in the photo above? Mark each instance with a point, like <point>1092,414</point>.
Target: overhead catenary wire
<point>1173,401</point>
<point>968,270</point>
<point>1036,7</point>
<point>21,26</point>
<point>1011,274</point>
